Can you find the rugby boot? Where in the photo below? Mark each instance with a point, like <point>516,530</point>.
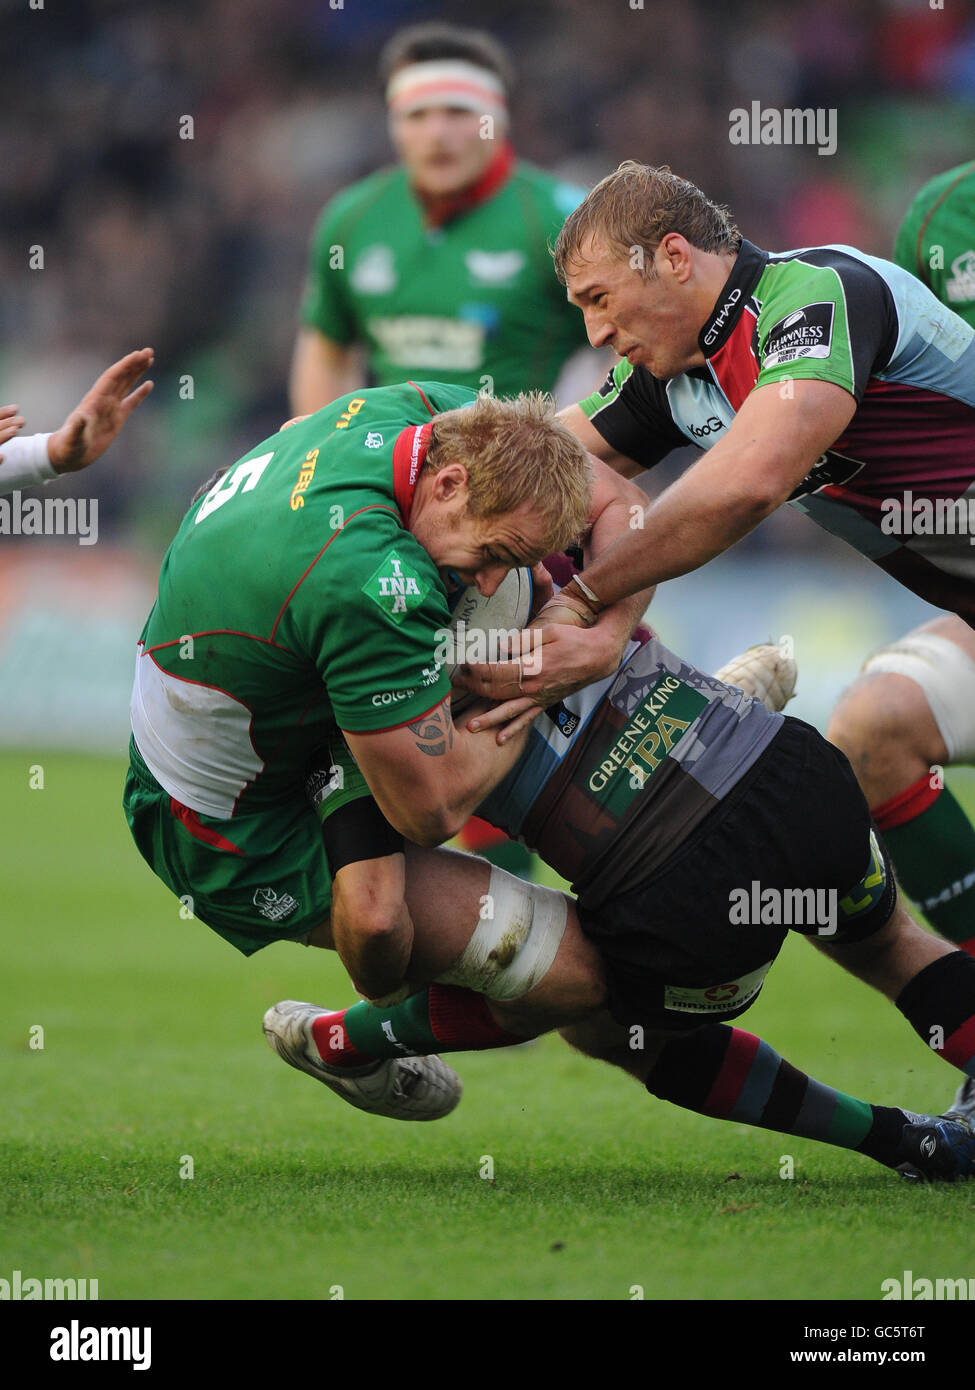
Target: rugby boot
<point>402,1088</point>
<point>937,1148</point>
<point>765,671</point>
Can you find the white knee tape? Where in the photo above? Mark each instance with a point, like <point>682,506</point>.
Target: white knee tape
<point>515,940</point>
<point>946,674</point>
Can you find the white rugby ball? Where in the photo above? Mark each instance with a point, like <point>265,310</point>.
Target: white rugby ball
<point>479,626</point>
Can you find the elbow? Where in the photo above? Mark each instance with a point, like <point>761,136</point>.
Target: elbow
<point>433,826</point>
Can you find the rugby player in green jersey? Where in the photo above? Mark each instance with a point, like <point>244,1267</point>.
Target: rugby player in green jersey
<point>305,593</point>
<point>439,268</point>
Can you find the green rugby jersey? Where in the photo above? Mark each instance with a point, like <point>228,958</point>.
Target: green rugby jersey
<point>293,600</point>
<point>476,297</point>
<point>936,240</point>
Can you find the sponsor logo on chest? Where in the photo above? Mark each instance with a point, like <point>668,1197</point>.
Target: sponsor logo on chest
<point>497,268</point>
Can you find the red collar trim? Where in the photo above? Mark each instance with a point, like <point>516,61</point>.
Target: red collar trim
<point>437,211</point>
<point>409,451</point>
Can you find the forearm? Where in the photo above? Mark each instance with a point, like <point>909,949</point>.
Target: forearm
<point>693,521</point>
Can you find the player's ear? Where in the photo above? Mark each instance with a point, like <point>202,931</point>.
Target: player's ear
<point>450,483</point>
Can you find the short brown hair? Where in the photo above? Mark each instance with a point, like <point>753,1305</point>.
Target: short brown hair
<point>516,452</point>
<point>636,207</point>
<point>424,43</point>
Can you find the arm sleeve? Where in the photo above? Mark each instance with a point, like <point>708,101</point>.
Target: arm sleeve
<point>353,827</point>
<point>834,322</point>
<point>25,462</point>
<point>630,410</point>
<point>375,622</point>
<point>325,304</point>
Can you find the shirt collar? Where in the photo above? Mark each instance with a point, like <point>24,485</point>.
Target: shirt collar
<point>745,275</point>
<point>409,451</point>
<point>437,211</point>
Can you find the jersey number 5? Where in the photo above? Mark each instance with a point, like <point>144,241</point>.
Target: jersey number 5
<point>248,472</point>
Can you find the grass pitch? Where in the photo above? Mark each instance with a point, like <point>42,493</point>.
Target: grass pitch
<point>556,1178</point>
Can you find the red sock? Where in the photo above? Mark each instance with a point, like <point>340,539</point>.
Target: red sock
<point>333,1043</point>
<point>460,1020</point>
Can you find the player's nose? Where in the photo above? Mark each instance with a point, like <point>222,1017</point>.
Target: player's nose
<point>489,580</point>
<point>599,330</point>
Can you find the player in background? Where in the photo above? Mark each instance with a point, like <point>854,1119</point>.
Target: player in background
<point>661,792</point>
<point>439,267</point>
<point>85,435</point>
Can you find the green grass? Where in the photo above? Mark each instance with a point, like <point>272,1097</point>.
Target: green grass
<point>153,1050</point>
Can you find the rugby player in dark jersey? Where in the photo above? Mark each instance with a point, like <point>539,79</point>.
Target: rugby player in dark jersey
<point>697,827</point>
<point>822,377</point>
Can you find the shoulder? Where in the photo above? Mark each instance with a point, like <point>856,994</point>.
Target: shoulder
<point>356,201</point>
<point>557,196</point>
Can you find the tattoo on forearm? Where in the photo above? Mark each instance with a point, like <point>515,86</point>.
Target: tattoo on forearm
<point>434,731</point>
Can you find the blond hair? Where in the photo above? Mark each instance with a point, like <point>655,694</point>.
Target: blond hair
<point>636,207</point>
<point>516,452</point>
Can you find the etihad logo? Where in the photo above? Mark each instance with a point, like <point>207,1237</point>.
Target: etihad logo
<point>721,317</point>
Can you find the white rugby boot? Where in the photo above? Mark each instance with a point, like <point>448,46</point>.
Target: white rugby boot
<point>765,671</point>
<point>402,1088</point>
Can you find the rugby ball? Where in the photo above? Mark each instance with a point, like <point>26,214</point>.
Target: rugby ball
<point>480,627</point>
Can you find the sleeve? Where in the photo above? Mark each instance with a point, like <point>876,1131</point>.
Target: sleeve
<point>630,410</point>
<point>353,827</point>
<point>325,304</point>
<point>24,462</point>
<point>375,622</point>
<point>833,322</point>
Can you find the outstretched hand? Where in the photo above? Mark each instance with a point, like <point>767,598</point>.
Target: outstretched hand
<point>97,419</point>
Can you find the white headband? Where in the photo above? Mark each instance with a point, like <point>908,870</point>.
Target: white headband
<point>450,82</point>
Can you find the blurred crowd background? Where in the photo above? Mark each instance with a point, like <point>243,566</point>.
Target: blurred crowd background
<point>198,246</point>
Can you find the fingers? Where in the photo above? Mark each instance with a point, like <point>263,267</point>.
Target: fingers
<point>501,715</point>
<point>10,422</point>
<point>136,398</point>
<point>542,587</point>
<point>118,379</point>
<point>500,680</point>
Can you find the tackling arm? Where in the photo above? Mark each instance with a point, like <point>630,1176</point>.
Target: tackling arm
<point>428,776</point>
<point>769,448</point>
